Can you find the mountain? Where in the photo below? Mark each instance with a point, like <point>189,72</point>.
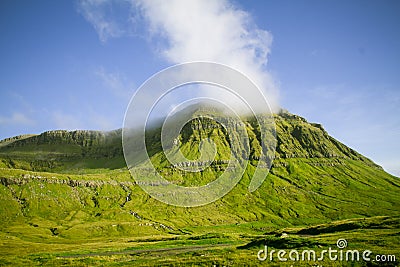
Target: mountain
<point>74,185</point>
<point>63,151</point>
<point>69,151</point>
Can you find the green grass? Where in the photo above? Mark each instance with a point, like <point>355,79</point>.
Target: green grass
<point>68,198</point>
<point>45,215</point>
<point>221,247</point>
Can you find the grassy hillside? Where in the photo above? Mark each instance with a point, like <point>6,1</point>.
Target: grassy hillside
<point>63,151</point>
<point>69,193</point>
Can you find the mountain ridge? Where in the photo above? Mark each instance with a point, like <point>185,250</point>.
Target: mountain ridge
<point>296,138</point>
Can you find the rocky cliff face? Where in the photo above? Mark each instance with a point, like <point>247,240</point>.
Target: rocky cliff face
<point>84,138</point>
<point>60,149</point>
<point>298,138</point>
<point>295,138</point>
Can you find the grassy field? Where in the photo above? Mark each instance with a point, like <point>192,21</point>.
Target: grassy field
<point>225,245</point>
<point>56,219</point>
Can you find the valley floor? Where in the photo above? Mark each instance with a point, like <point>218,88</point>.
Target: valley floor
<point>213,246</point>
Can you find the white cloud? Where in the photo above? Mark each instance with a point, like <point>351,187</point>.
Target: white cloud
<point>104,23</point>
<point>209,30</point>
<point>16,119</point>
<point>191,30</point>
<point>115,82</point>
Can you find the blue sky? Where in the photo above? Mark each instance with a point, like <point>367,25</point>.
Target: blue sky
<point>75,64</point>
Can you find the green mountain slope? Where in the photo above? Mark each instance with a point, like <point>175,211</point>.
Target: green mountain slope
<point>313,178</point>
<point>75,185</point>
<point>63,151</point>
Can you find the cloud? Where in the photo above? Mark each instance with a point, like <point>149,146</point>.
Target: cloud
<point>16,119</point>
<point>209,30</point>
<point>105,23</point>
<point>115,82</point>
<point>191,30</point>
